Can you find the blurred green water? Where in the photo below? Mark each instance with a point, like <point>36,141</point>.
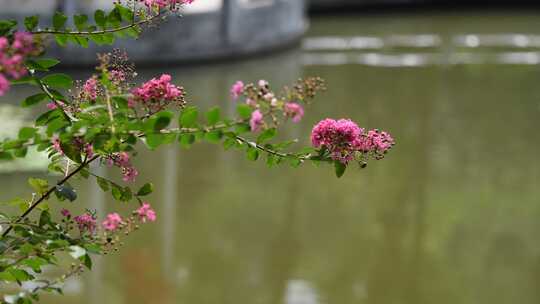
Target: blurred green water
<point>450,216</point>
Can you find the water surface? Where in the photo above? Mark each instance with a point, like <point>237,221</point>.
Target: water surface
<point>450,216</point>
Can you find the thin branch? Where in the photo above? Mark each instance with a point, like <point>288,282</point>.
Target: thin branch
<point>50,191</point>
<point>99,32</point>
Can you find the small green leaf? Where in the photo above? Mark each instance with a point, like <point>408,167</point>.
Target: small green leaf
<point>266,135</point>
<point>61,39</point>
<point>100,18</point>
<point>188,117</point>
<point>59,20</point>
<point>146,189</point>
<point>20,275</point>
<point>58,80</point>
<point>244,111</point>
<point>80,22</point>
<point>339,168</point>
<point>39,185</point>
<point>213,116</point>
<point>102,183</point>
<point>27,133</point>
<point>34,99</point>
<point>252,154</point>
<point>44,218</point>
<point>6,26</point>
<point>47,62</point>
<point>213,136</point>
<point>31,22</point>
<point>186,140</point>
<point>71,151</point>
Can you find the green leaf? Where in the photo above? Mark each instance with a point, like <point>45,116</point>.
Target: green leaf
<point>161,120</point>
<point>80,22</point>
<point>72,152</point>
<point>26,133</point>
<point>87,261</point>
<point>252,154</point>
<point>39,185</point>
<point>188,117</point>
<point>155,140</point>
<point>44,218</point>
<point>59,20</point>
<point>146,189</point>
<point>6,26</point>
<point>213,136</point>
<point>102,183</point>
<point>213,116</point>
<point>20,275</point>
<point>100,18</point>
<point>61,39</point>
<point>47,62</point>
<point>35,263</point>
<point>244,111</point>
<point>31,22</point>
<point>186,140</point>
<point>58,80</point>
<point>116,192</point>
<point>339,168</point>
<point>266,135</point>
<point>34,99</point>
<point>125,13</point>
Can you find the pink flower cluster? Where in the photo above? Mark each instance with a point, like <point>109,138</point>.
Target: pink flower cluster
<point>122,160</point>
<point>79,143</point>
<point>145,212</point>
<point>256,121</point>
<point>343,139</point>
<point>112,222</point>
<point>293,110</point>
<point>86,222</point>
<point>12,57</point>
<point>157,93</point>
<point>90,88</point>
<point>237,89</point>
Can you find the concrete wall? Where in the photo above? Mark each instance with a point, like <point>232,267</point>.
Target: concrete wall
<point>239,28</point>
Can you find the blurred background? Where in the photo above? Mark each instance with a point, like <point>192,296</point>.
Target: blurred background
<point>450,216</point>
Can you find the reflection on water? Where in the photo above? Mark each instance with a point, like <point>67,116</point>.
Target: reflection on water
<point>449,217</point>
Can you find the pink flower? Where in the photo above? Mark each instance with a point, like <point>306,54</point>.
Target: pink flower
<point>23,43</point>
<point>112,222</point>
<point>256,121</point>
<point>294,110</point>
<point>56,145</point>
<point>263,83</point>
<point>51,106</point>
<point>157,93</point>
<point>129,174</point>
<point>237,89</point>
<point>340,137</point>
<point>89,150</point>
<point>377,142</point>
<point>86,223</point>
<point>90,88</point>
<point>268,96</point>
<point>250,102</point>
<point>146,212</point>
<point>117,76</point>
<point>4,43</point>
<point>65,212</point>
<point>4,84</point>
